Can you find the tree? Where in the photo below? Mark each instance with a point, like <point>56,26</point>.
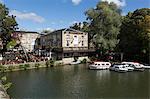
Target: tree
<point>82,26</point>
<point>105,22</point>
<point>8,25</point>
<point>135,35</point>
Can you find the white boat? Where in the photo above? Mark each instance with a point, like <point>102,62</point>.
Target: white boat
<point>100,65</point>
<point>135,65</point>
<point>129,67</point>
<point>119,68</point>
<point>74,63</point>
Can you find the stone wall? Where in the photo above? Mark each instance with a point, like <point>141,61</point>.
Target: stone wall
<point>69,60</point>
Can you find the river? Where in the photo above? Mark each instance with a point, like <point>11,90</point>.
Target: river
<point>77,81</point>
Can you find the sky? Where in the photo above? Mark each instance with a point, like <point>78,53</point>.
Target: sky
<point>38,15</point>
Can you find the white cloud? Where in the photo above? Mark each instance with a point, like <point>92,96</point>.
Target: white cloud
<point>119,3</point>
<point>76,2</point>
<point>1,1</point>
<point>48,29</point>
<point>27,16</point>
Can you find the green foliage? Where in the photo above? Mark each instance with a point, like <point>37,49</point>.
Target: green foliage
<point>50,63</point>
<point>37,65</point>
<point>47,63</point>
<point>82,26</point>
<point>3,79</point>
<point>5,83</point>
<point>26,66</point>
<point>135,35</point>
<point>11,44</point>
<point>105,21</point>
<point>21,66</point>
<point>8,25</point>
<point>3,68</point>
<point>11,68</point>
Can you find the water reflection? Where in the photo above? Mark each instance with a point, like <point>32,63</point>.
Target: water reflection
<point>78,82</point>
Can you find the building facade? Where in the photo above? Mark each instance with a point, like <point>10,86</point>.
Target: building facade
<point>27,39</point>
<point>65,44</point>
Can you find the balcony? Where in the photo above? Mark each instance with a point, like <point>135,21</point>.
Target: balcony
<point>77,49</point>
<point>74,48</point>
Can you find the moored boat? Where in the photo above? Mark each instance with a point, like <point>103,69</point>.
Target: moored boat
<point>119,68</point>
<point>100,65</point>
<point>135,65</point>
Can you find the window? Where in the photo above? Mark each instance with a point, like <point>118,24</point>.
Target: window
<point>67,43</point>
<point>82,43</point>
<point>67,37</point>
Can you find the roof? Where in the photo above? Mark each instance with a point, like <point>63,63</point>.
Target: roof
<point>73,30</point>
<point>65,29</point>
<point>27,32</point>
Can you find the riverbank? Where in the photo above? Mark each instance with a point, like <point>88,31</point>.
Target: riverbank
<point>23,66</point>
<point>3,93</point>
<point>32,65</point>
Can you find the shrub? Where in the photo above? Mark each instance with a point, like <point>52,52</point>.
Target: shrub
<point>47,63</point>
<point>11,68</point>
<point>50,63</point>
<point>5,83</point>
<point>2,68</point>
<point>37,65</point>
<point>21,66</point>
<point>26,66</point>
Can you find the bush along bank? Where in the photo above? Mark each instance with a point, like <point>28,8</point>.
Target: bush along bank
<point>4,85</point>
<point>33,65</point>
<point>23,66</point>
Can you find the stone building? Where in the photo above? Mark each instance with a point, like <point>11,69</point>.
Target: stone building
<point>65,45</point>
<point>27,39</point>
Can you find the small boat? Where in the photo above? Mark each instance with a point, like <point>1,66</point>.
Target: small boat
<point>129,67</point>
<point>75,62</point>
<point>135,65</point>
<point>100,65</point>
<point>119,68</point>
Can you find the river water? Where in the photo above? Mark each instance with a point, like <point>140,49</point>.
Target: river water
<point>77,81</point>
